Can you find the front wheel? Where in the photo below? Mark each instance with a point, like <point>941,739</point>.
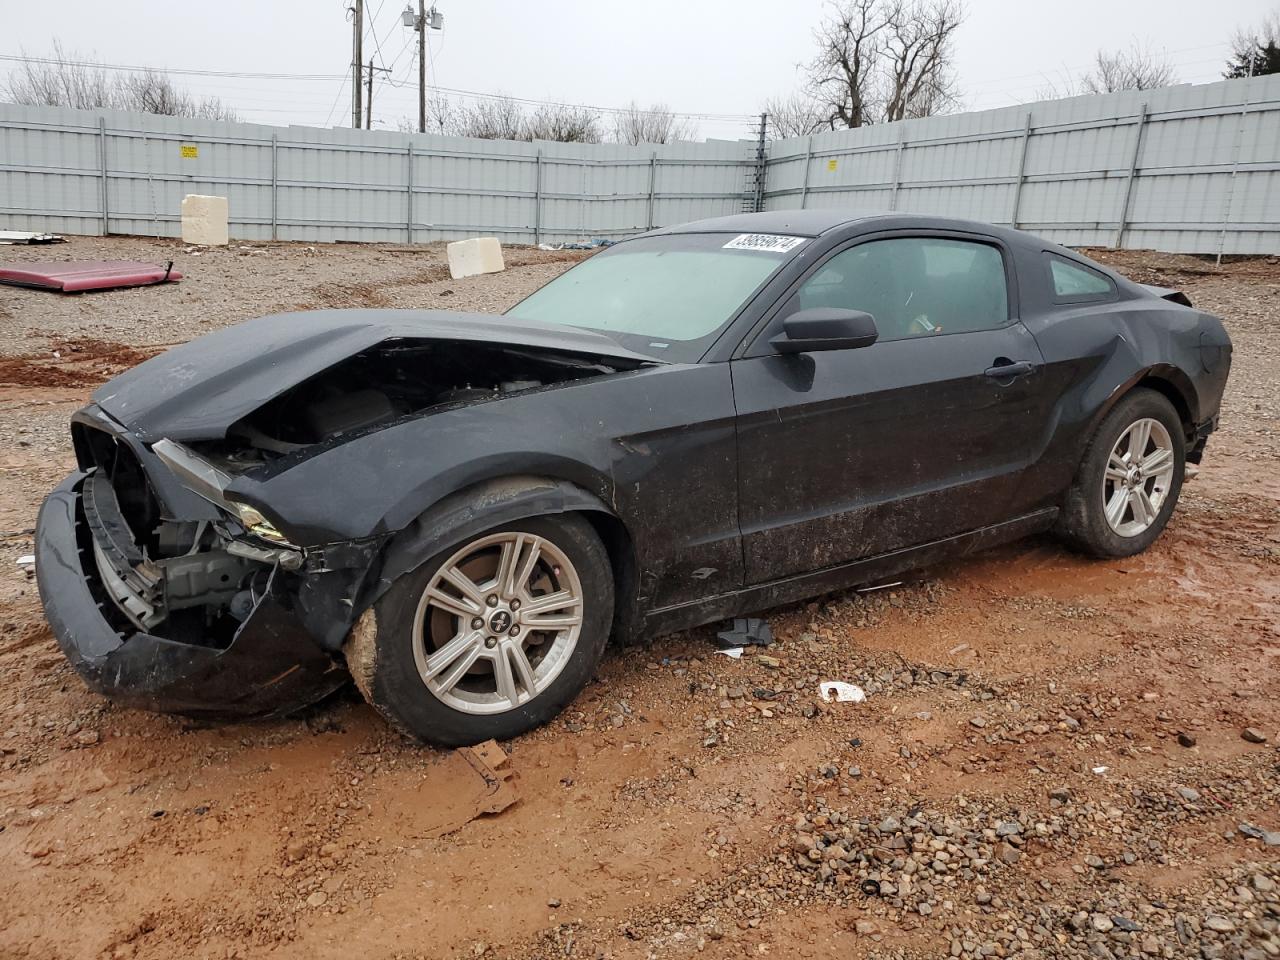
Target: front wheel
<point>491,637</point>
<point>1129,479</point>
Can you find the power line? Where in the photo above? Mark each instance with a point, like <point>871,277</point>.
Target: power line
<point>246,75</point>
<point>373,29</point>
<point>475,94</point>
<point>994,81</point>
<point>342,87</point>
<point>252,75</point>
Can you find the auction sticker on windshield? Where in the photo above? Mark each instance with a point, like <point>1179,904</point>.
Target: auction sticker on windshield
<point>764,242</point>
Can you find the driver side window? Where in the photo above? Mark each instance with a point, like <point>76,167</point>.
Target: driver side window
<point>914,286</point>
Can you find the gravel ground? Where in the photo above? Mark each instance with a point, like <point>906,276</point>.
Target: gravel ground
<point>1057,758</point>
<point>222,285</point>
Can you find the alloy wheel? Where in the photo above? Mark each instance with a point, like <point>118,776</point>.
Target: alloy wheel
<point>1138,477</point>
<point>497,622</point>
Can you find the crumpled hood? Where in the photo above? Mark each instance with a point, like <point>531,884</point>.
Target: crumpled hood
<point>199,389</point>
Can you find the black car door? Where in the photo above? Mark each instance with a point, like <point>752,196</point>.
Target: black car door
<point>851,453</point>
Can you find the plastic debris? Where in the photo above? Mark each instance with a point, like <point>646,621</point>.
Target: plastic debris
<point>879,586</point>
<point>27,561</point>
<point>591,244</point>
<point>27,237</point>
<point>1270,837</point>
<point>75,276</point>
<point>1100,770</point>
<point>746,632</point>
<point>734,652</point>
<point>841,692</point>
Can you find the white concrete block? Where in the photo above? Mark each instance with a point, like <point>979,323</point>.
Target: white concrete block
<point>479,255</point>
<point>204,220</point>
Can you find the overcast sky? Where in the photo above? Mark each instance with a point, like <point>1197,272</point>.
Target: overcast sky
<point>720,57</point>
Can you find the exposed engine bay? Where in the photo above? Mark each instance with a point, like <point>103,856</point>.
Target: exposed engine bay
<point>196,579</point>
<point>199,579</point>
<point>396,378</point>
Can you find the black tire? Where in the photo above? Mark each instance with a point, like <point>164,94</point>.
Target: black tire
<point>1083,523</point>
<point>381,658</point>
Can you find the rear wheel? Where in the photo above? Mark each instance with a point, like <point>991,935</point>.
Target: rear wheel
<point>1129,479</point>
<point>491,637</point>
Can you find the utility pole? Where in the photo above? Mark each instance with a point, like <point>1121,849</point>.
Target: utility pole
<point>420,21</point>
<point>422,66</point>
<point>368,116</point>
<point>357,58</point>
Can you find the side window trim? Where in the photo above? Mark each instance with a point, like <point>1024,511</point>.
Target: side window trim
<point>756,342</point>
<point>1049,256</point>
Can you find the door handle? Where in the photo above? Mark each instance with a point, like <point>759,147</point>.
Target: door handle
<point>1011,371</point>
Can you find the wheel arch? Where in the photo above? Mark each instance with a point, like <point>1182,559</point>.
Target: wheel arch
<point>1178,389</point>
<point>1165,379</point>
<point>489,503</point>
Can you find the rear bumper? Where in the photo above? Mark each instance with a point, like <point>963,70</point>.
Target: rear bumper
<point>272,665</point>
<point>1195,449</point>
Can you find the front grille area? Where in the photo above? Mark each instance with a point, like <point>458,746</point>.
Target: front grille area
<point>115,459</point>
<point>111,612</point>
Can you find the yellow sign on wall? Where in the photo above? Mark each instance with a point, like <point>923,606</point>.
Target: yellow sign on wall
<point>831,165</point>
<point>190,151</point>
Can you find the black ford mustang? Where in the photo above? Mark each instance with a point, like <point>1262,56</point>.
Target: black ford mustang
<point>459,510</point>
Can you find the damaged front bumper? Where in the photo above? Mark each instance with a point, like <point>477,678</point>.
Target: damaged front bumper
<point>272,665</point>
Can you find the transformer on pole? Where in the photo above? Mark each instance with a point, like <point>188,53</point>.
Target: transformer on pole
<point>421,21</point>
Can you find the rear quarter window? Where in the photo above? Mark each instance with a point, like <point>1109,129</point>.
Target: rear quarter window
<point>1072,282</point>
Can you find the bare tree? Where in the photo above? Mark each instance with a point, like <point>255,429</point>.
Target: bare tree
<point>153,92</point>
<point>885,60</point>
<point>72,81</point>
<point>504,118</point>
<point>842,72</point>
<point>64,83</point>
<point>918,47</point>
<point>1059,87</point>
<point>498,119</point>
<point>794,116</point>
<point>1137,68</point>
<point>442,116</point>
<point>1256,51</point>
<point>568,124</point>
<point>656,124</point>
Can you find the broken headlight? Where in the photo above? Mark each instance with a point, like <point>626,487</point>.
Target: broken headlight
<point>211,483</point>
<point>257,524</point>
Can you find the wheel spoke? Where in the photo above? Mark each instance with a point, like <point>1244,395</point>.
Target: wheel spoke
<point>1117,474</point>
<point>524,574</point>
<point>1139,434</point>
<point>555,611</point>
<point>558,621</point>
<point>1144,509</point>
<point>456,656</point>
<point>550,602</point>
<point>463,607</point>
<point>507,561</point>
<point>1159,462</point>
<point>466,585</point>
<point>504,677</point>
<point>1116,506</point>
<point>523,668</point>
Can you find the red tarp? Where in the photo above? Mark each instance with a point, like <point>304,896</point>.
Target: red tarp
<point>72,276</point>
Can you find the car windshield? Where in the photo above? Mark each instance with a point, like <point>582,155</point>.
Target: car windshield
<point>668,296</point>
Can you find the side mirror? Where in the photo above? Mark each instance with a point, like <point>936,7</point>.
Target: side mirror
<point>825,328</point>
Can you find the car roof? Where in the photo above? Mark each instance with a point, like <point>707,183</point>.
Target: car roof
<point>796,223</point>
<point>814,223</point>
